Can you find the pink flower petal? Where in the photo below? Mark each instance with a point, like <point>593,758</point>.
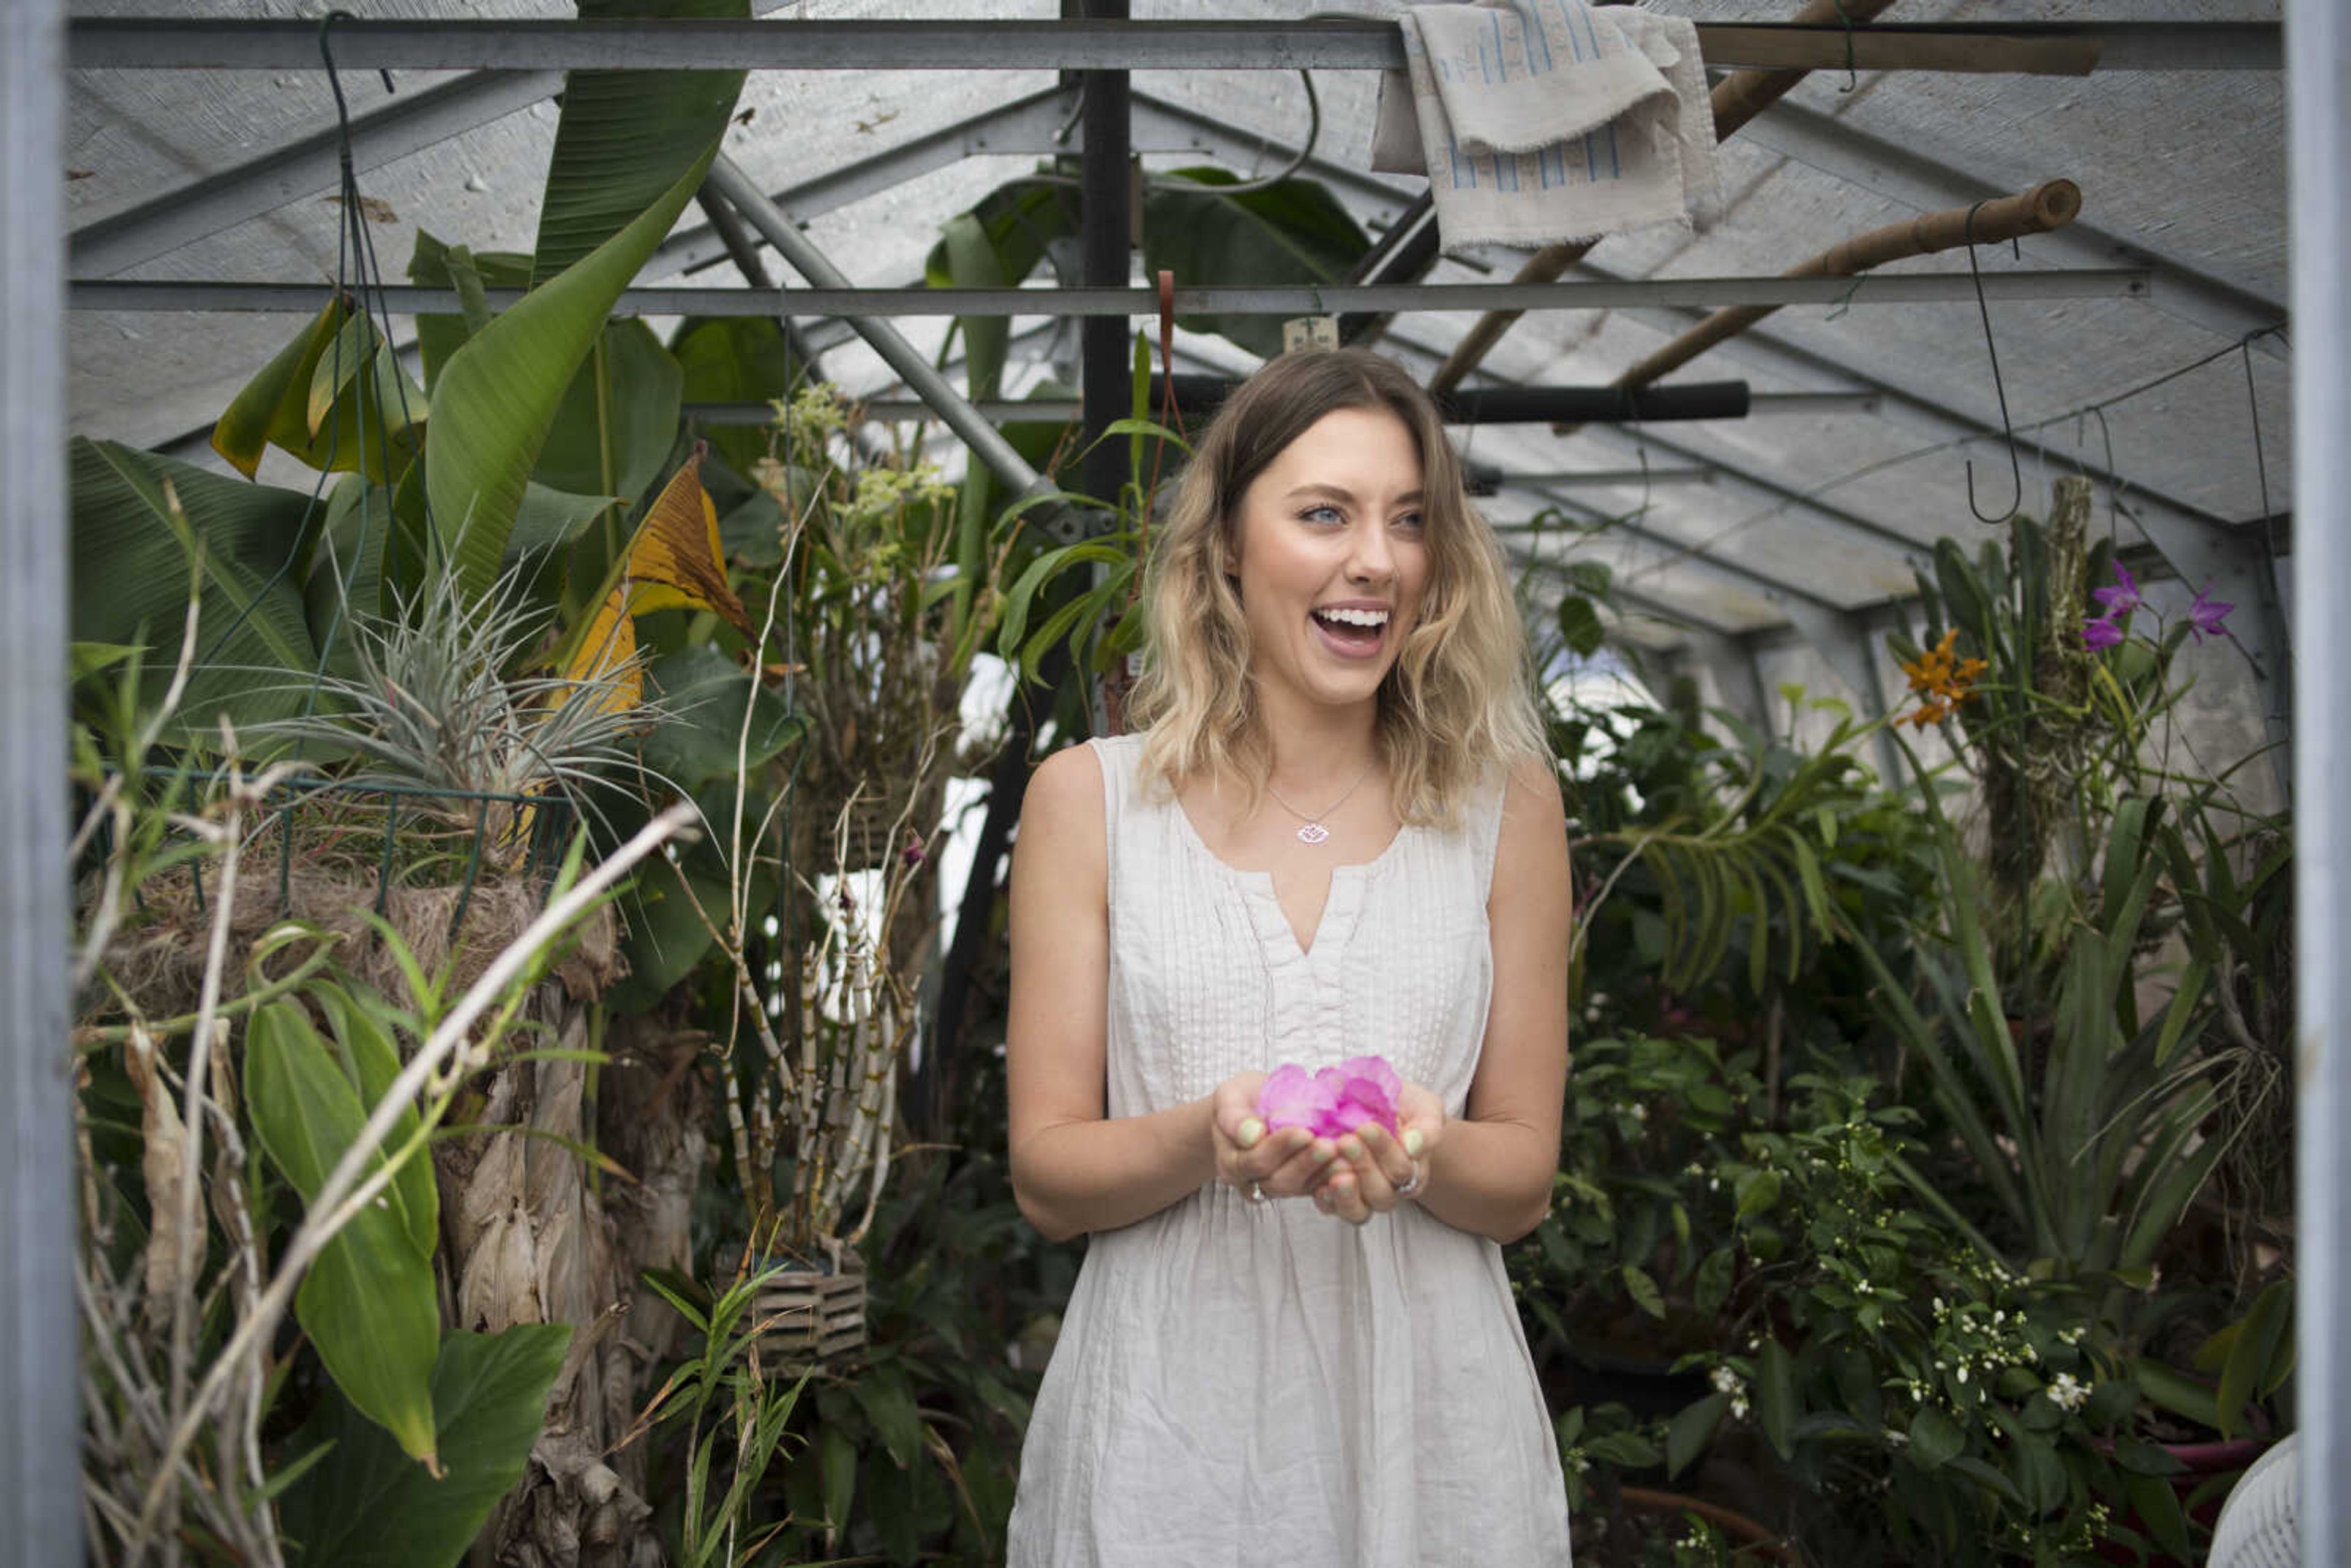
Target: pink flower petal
<point>1377,1069</point>
<point>1292,1097</point>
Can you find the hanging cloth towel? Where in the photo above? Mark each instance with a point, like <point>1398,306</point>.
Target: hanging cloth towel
<point>1541,122</point>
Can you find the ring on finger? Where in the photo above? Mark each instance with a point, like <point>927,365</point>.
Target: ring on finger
<point>1257,1193</point>
<point>1419,1177</point>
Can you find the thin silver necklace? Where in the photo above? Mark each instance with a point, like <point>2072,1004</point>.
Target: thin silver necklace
<point>1312,831</point>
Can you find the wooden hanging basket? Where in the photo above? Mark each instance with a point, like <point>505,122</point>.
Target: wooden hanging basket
<point>813,1312</point>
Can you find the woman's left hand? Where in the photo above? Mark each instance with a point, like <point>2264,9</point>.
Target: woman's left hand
<point>1375,1171</point>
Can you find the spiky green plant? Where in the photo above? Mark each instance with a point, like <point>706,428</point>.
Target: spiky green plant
<point>435,705</point>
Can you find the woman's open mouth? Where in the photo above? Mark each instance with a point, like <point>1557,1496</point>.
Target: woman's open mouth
<point>1350,631</point>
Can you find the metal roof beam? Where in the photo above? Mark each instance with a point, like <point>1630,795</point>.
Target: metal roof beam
<point>2065,48</point>
<point>146,229</point>
<point>1264,299</point>
<point>1733,474</point>
<point>1882,168</point>
<point>1778,591</point>
<point>1916,405</point>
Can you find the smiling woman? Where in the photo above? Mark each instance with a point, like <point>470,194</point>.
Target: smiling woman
<point>1337,840</point>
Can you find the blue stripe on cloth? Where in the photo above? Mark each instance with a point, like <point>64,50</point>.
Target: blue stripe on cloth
<point>1460,165</point>
<point>1537,37</point>
<point>1590,168</point>
<point>1574,45</point>
<point>1616,169</point>
<point>1502,51</point>
<point>1506,170</point>
<point>1570,18</point>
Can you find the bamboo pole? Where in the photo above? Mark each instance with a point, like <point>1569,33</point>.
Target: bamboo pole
<point>2052,204</point>
<point>1736,100</point>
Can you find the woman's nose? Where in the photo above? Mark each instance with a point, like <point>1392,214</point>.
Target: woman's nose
<point>1372,557</point>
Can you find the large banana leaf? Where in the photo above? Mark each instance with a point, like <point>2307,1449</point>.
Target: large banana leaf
<point>436,264</point>
<point>735,358</point>
<point>367,1302</point>
<point>361,1507</point>
<point>498,395</point>
<point>624,135</point>
<point>1293,232</point>
<point>334,398</point>
<point>618,420</point>
<point>131,577</point>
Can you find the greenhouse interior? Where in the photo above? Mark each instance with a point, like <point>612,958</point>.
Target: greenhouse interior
<point>571,532</point>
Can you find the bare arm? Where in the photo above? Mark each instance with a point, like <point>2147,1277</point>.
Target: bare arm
<point>1074,1169</point>
<point>1490,1170</point>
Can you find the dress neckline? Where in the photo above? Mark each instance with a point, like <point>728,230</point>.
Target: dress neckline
<point>1340,902</point>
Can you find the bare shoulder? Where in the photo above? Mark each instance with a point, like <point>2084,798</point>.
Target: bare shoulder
<point>1532,811</point>
<point>1062,816</point>
<point>1066,791</point>
<point>1533,852</point>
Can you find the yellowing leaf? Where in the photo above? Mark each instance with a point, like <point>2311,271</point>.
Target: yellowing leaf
<point>677,559</point>
<point>611,644</point>
<point>674,560</point>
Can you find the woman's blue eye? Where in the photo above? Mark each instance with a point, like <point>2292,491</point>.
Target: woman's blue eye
<point>1411,522</point>
<point>1322,514</point>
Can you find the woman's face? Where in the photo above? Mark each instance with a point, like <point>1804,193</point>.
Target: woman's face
<point>1333,560</point>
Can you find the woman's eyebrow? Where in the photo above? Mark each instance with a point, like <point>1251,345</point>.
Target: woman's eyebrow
<point>1340,492</point>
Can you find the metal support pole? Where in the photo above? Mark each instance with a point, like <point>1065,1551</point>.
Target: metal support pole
<point>913,366</point>
<point>1105,258</point>
<point>2318,108</point>
<point>41,1342</point>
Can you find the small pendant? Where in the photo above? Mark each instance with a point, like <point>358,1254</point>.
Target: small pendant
<point>1313,834</point>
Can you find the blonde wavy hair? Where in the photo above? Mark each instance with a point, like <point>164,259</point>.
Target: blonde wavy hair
<point>1455,705</point>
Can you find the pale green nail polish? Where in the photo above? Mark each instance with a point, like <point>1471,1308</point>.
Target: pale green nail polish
<point>1411,1142</point>
<point>1250,1132</point>
<point>1326,1153</point>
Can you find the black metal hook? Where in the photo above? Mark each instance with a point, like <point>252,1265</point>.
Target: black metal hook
<point>1999,389</point>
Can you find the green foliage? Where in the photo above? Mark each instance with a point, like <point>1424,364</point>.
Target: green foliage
<point>624,135</point>
<point>140,522</point>
<point>1725,864</point>
<point>361,1505</point>
<point>1292,232</point>
<point>368,1301</point>
<point>499,394</point>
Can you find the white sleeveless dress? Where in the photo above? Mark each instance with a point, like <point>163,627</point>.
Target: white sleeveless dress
<point>1240,1383</point>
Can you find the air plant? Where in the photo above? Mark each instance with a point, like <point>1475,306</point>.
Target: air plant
<point>435,705</point>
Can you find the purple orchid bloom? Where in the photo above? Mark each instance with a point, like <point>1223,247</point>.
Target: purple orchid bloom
<point>2119,599</point>
<point>2100,633</point>
<point>2206,614</point>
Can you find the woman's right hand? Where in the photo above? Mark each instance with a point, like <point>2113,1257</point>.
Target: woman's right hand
<point>1286,1163</point>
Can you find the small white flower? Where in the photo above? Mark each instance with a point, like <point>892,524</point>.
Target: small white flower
<point>1862,1287</point>
<point>1963,1372</point>
<point>1640,1113</point>
<point>1738,1408</point>
<point>1896,1438</point>
<point>1998,1319</point>
<point>1725,1381</point>
<point>2067,1393</point>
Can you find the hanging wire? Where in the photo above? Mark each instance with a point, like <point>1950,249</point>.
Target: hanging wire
<point>2097,409</point>
<point>1851,78</point>
<point>2000,388</point>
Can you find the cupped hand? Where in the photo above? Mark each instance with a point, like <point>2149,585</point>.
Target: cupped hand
<point>1285,1163</point>
<point>1373,1165</point>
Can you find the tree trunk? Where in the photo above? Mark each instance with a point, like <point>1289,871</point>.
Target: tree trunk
<point>533,1235</point>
